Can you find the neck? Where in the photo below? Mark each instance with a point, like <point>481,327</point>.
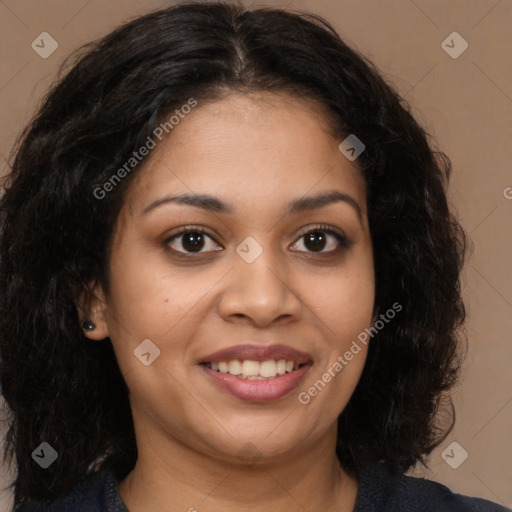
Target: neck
<point>181,478</point>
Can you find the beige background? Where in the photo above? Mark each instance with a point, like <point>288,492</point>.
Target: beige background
<point>466,103</point>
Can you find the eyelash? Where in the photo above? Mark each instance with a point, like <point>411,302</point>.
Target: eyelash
<point>342,240</point>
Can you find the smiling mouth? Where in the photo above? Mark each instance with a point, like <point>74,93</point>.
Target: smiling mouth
<point>255,370</point>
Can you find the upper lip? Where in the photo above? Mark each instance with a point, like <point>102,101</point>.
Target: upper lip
<point>258,353</point>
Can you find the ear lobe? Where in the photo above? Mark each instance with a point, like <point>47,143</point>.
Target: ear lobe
<point>91,306</point>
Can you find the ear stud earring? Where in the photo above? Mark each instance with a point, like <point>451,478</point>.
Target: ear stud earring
<point>88,326</point>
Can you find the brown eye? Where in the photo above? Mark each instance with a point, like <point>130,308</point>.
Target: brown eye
<point>191,241</point>
<point>323,240</point>
<point>315,240</point>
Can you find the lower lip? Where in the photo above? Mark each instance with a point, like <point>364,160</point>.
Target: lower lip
<point>258,390</point>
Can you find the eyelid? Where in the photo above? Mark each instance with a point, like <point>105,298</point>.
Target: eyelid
<point>323,227</point>
<point>188,228</point>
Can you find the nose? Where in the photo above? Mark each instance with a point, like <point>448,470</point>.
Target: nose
<point>260,292</point>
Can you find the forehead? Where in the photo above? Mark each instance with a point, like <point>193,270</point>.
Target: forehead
<point>256,150</point>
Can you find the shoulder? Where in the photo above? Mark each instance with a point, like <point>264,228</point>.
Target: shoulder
<point>95,493</point>
<point>382,491</point>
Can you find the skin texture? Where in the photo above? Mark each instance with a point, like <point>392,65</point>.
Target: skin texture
<point>256,152</point>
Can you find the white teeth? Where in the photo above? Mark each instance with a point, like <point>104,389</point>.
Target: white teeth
<point>223,367</point>
<point>254,370</point>
<point>281,367</point>
<point>235,367</point>
<point>250,368</point>
<point>268,369</point>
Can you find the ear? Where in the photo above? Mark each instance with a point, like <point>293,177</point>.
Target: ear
<point>92,306</point>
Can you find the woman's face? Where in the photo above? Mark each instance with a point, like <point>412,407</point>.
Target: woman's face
<point>252,281</point>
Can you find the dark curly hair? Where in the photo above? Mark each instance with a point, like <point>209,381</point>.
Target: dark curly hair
<point>66,390</point>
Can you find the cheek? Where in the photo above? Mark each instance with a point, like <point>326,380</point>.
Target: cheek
<point>342,307</point>
<point>343,302</point>
<point>150,300</point>
<point>148,296</point>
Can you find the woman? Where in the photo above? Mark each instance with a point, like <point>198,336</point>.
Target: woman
<point>230,277</point>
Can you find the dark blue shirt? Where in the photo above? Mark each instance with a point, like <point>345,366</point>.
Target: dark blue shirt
<point>379,491</point>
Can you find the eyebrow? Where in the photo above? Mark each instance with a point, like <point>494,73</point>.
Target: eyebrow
<point>214,204</point>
